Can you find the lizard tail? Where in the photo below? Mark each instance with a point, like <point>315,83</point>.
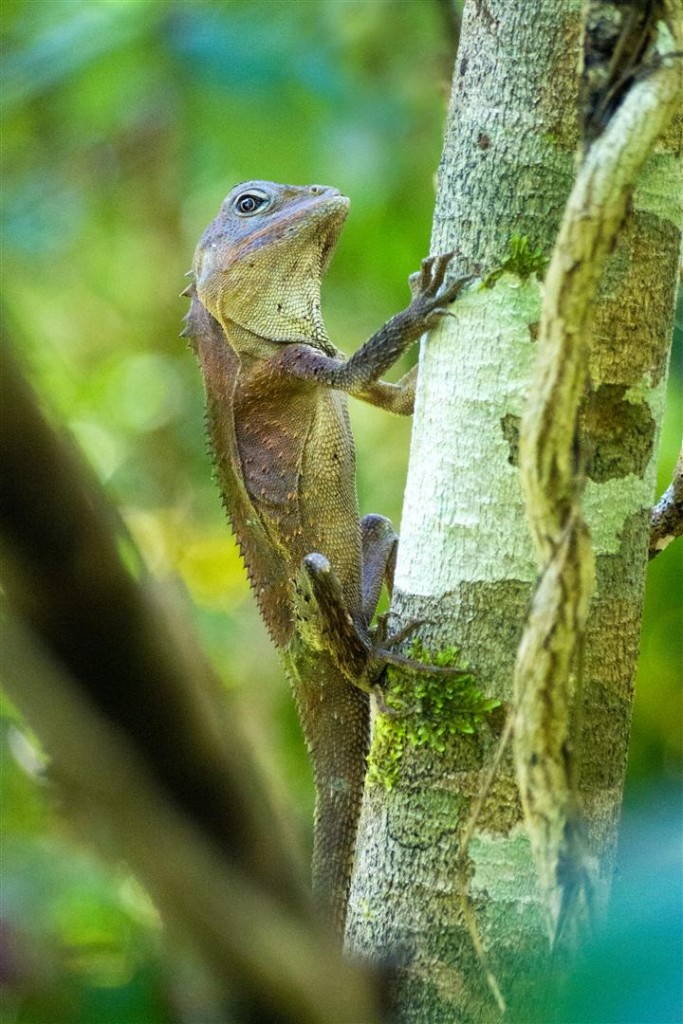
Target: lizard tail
<point>339,792</point>
<point>335,716</point>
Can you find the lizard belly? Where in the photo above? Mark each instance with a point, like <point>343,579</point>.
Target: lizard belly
<point>327,493</point>
<point>298,463</point>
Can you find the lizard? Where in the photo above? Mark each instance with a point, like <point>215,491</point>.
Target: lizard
<point>276,392</point>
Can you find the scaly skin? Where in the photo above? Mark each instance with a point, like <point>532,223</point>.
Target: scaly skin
<point>276,394</point>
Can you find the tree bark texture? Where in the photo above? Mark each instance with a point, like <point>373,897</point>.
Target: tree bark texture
<point>466,564</point>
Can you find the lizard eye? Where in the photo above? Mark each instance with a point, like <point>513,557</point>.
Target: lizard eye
<point>249,202</point>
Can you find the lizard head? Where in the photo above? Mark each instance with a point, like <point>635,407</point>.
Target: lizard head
<point>260,263</point>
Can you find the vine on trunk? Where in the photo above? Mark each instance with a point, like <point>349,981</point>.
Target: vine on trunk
<point>547,673</point>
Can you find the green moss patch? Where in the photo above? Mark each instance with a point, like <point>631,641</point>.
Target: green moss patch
<point>424,710</point>
<point>520,259</point>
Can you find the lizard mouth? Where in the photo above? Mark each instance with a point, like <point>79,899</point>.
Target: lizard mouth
<point>332,213</point>
<point>331,239</point>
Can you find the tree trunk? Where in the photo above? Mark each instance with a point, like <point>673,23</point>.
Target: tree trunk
<point>466,563</point>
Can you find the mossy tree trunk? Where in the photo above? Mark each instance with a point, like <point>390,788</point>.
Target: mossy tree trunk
<point>466,562</point>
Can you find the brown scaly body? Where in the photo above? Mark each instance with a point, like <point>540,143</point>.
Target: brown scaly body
<point>276,393</point>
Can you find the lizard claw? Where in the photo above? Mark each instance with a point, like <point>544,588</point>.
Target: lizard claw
<point>420,667</point>
<point>453,290</point>
<point>384,641</point>
<point>434,271</point>
<point>385,709</point>
<point>427,287</point>
<point>391,639</point>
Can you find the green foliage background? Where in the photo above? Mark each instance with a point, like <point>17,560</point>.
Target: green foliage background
<point>124,125</point>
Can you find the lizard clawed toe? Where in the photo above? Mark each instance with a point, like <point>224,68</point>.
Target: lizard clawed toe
<point>428,286</point>
<point>453,290</point>
<point>386,639</point>
<point>412,665</point>
<point>385,709</point>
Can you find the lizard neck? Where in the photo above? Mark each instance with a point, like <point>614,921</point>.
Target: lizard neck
<point>279,301</point>
<point>252,345</point>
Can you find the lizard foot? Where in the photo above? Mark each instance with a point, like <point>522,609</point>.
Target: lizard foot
<point>384,641</point>
<point>422,667</point>
<point>430,298</point>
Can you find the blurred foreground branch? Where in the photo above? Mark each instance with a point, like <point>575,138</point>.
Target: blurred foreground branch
<point>140,739</point>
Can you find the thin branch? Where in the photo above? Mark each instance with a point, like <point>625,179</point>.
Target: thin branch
<point>274,959</point>
<point>667,515</point>
<point>463,862</point>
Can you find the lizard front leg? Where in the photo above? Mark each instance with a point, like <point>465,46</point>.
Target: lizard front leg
<point>398,398</point>
<point>360,375</point>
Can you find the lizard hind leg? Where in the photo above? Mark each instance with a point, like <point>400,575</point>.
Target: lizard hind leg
<point>379,543</point>
<point>324,620</point>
